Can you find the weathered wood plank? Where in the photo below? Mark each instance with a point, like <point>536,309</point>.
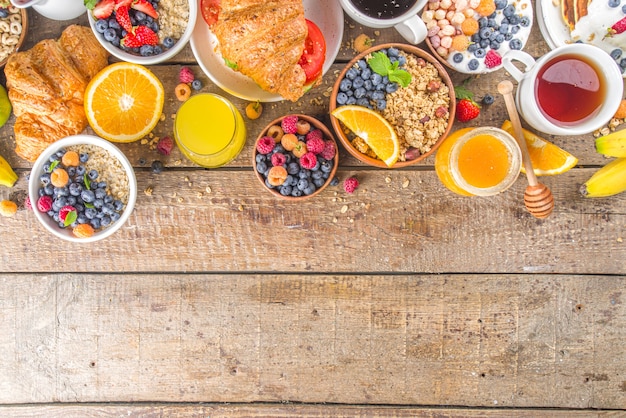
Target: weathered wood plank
<point>472,340</point>
<point>383,227</point>
<point>282,410</point>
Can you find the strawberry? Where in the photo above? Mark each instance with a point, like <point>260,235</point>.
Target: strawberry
<point>122,17</point>
<point>466,108</point>
<point>130,41</point>
<point>146,7</point>
<point>103,9</point>
<point>492,59</point>
<point>120,3</point>
<point>617,28</point>
<point>146,36</point>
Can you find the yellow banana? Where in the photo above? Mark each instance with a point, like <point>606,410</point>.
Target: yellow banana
<point>613,144</point>
<point>607,181</point>
<point>7,175</point>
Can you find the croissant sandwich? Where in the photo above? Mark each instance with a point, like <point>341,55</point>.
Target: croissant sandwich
<point>46,85</point>
<point>271,42</point>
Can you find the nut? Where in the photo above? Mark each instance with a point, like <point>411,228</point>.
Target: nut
<point>433,86</point>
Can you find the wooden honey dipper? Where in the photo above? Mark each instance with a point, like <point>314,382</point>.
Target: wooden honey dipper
<point>537,197</point>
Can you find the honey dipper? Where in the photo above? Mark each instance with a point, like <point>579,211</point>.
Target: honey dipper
<point>537,197</point>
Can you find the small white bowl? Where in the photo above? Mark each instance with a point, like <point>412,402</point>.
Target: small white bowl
<point>155,59</point>
<point>34,184</point>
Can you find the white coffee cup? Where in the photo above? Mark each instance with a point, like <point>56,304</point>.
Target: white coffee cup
<point>54,9</point>
<point>409,24</point>
<point>608,74</point>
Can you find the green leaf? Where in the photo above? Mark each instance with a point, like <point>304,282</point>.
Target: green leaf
<point>70,218</point>
<point>90,4</point>
<point>401,77</point>
<point>89,205</point>
<point>86,181</point>
<point>230,64</point>
<point>54,165</point>
<point>380,63</point>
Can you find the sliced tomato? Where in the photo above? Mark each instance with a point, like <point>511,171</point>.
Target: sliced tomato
<point>210,11</point>
<point>312,59</point>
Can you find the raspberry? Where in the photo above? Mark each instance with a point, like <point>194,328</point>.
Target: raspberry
<point>44,203</point>
<point>265,145</point>
<point>66,210</point>
<point>492,59</point>
<point>350,185</point>
<point>186,75</point>
<point>308,160</point>
<point>165,145</point>
<point>315,144</point>
<point>278,159</point>
<point>329,150</point>
<point>289,124</point>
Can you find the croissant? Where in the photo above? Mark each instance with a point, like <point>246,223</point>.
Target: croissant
<point>264,40</point>
<point>46,85</point>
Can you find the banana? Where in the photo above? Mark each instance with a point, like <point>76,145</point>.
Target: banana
<point>613,144</point>
<point>607,181</point>
<point>7,175</point>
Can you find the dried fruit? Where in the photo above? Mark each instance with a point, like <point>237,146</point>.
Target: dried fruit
<point>277,175</point>
<point>8,208</point>
<point>83,231</point>
<point>70,159</point>
<point>165,145</point>
<point>362,42</point>
<point>254,110</point>
<point>59,177</point>
<point>300,149</point>
<point>289,141</point>
<point>302,127</point>
<point>275,132</point>
<point>183,92</point>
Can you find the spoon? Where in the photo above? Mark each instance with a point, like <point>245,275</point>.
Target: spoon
<point>537,197</point>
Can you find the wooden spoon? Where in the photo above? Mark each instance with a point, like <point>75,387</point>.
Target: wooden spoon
<point>537,197</point>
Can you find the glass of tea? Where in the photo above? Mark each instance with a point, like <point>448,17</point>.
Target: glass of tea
<point>572,90</point>
<point>478,161</point>
<point>401,14</point>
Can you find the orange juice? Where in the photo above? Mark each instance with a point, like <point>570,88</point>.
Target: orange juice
<point>478,161</point>
<point>209,130</point>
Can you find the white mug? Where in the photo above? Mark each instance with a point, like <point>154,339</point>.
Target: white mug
<point>610,80</point>
<point>409,24</point>
<point>54,9</point>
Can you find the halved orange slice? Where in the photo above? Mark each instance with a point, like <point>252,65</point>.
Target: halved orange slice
<point>124,102</point>
<point>377,133</point>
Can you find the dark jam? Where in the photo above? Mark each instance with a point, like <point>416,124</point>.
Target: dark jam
<point>383,9</point>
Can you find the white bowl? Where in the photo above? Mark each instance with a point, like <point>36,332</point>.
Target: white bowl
<point>326,14</point>
<point>34,184</point>
<point>155,59</point>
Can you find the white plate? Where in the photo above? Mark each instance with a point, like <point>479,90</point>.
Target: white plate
<point>551,25</point>
<point>326,14</point>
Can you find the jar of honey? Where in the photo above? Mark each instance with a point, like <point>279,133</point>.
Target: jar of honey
<point>478,161</point>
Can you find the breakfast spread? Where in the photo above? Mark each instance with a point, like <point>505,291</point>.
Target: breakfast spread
<point>46,85</point>
<point>270,42</point>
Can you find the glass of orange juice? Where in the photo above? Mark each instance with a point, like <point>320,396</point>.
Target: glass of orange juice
<point>478,161</point>
<point>209,130</point>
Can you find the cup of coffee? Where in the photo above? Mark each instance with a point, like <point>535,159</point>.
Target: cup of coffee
<point>574,89</point>
<point>401,14</point>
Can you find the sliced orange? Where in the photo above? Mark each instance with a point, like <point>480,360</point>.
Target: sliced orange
<point>547,159</point>
<point>124,102</point>
<point>377,133</point>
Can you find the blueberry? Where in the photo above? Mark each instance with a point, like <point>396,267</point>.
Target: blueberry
<point>491,22</point>
<point>110,35</point>
<point>614,3</point>
<point>495,44</point>
<point>368,85</point>
<point>524,21</point>
<point>88,196</point>
<point>515,44</point>
<point>82,219</point>
<point>261,167</point>
<point>366,73</point>
<point>342,98</point>
<point>393,52</point>
<point>156,166</point>
<point>376,79</point>
<point>92,174</point>
<point>472,64</point>
<point>363,102</point>
<point>482,22</point>
<point>381,104</point>
<point>357,82</point>
<point>326,166</point>
<point>345,85</point>
<point>285,190</point>
<point>115,216</point>
<point>4,13</point>
<point>90,213</point>
<point>622,63</point>
<point>101,25</point>
<point>302,184</point>
<point>108,208</point>
<point>504,28</point>
<point>484,43</point>
<point>334,181</point>
<point>480,53</point>
<point>401,61</point>
<point>501,4</point>
<point>475,37</point>
<point>359,93</point>
<point>508,36</point>
<point>486,32</point>
<point>75,189</point>
<point>310,189</point>
<point>488,99</point>
<point>71,200</point>
<point>616,54</point>
<point>45,178</point>
<point>458,57</point>
<point>351,100</point>
<point>391,87</point>
<point>98,203</point>
<point>624,9</point>
<point>113,24</point>
<point>514,20</point>
<point>362,64</point>
<point>48,189</point>
<point>378,95</point>
<point>71,171</point>
<point>118,204</point>
<point>295,192</point>
<point>509,11</point>
<point>95,223</point>
<point>352,73</point>
<point>472,47</point>
<point>100,193</point>
<point>168,42</point>
<point>196,84</point>
<point>146,50</point>
<point>83,157</point>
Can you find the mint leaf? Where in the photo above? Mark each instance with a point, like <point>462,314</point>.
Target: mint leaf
<point>86,181</point>
<point>90,4</point>
<point>401,77</point>
<point>381,64</point>
<point>70,218</point>
<point>54,165</point>
<point>89,205</point>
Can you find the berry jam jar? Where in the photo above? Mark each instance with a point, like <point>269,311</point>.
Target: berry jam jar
<point>209,130</point>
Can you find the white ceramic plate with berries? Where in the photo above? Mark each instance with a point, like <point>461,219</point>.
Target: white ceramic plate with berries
<point>603,17</point>
<point>326,14</point>
<point>163,48</point>
<point>472,36</point>
<point>111,167</point>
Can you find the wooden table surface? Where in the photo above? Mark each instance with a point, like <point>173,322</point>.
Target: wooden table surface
<point>403,299</point>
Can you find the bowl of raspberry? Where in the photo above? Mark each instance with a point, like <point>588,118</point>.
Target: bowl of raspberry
<point>295,157</point>
<point>82,188</point>
<point>143,31</point>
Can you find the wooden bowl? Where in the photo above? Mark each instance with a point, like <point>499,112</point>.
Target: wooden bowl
<point>328,136</point>
<point>22,36</point>
<point>340,130</point>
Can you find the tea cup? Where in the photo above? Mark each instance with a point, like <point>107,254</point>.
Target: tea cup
<point>380,15</point>
<point>574,89</point>
<point>54,9</point>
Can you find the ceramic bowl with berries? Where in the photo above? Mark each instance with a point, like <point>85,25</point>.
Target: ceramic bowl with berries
<point>143,31</point>
<point>412,92</point>
<point>13,30</point>
<point>295,157</point>
<point>82,188</point>
<point>472,36</point>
